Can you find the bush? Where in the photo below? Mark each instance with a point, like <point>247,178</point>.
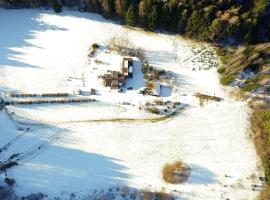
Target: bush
<point>153,110</point>
<point>95,46</point>
<point>221,70</point>
<point>175,173</point>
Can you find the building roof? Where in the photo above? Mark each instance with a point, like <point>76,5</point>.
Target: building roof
<point>127,58</point>
<point>126,64</point>
<point>115,75</point>
<point>107,82</point>
<point>115,83</point>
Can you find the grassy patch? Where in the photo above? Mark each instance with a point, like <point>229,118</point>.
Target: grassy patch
<point>249,50</point>
<point>227,79</point>
<point>251,87</point>
<point>204,98</point>
<point>225,54</point>
<point>176,173</point>
<point>261,129</point>
<point>207,97</point>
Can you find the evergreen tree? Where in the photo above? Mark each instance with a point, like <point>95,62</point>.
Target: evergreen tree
<point>92,5</point>
<point>144,7</point>
<point>121,7</point>
<point>108,8</point>
<point>130,16</point>
<point>198,25</point>
<point>57,7</point>
<point>152,19</point>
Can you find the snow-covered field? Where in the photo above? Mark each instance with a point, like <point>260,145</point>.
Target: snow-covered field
<point>63,150</point>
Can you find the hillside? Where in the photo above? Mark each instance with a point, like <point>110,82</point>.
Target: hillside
<point>114,148</point>
<point>247,67</point>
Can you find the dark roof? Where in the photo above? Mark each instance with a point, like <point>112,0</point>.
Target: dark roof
<point>107,82</point>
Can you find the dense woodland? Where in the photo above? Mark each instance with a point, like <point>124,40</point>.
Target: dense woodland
<point>227,21</point>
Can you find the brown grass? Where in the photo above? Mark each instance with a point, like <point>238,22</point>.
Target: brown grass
<point>149,195</point>
<point>261,133</point>
<point>204,98</point>
<point>176,173</point>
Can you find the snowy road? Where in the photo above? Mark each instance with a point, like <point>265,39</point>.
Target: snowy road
<point>41,52</point>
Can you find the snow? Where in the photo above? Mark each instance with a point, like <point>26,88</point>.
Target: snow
<point>63,150</point>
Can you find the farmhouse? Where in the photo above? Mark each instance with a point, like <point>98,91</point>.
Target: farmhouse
<point>115,79</point>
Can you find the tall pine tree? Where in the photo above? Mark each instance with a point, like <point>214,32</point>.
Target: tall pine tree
<point>152,19</point>
<point>130,16</point>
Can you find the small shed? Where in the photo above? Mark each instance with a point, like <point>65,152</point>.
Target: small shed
<point>85,91</point>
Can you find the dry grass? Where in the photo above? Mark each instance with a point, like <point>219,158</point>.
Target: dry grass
<point>176,173</point>
<point>149,195</point>
<point>261,132</point>
<point>204,98</point>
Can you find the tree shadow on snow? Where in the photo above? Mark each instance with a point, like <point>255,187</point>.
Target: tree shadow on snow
<point>17,30</point>
<point>60,167</point>
<point>45,166</point>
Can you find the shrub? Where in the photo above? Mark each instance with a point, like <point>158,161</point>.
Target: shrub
<point>175,173</point>
<point>221,70</point>
<point>153,110</point>
<point>10,181</point>
<point>95,46</point>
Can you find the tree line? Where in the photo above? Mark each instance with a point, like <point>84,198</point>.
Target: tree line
<point>211,20</point>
